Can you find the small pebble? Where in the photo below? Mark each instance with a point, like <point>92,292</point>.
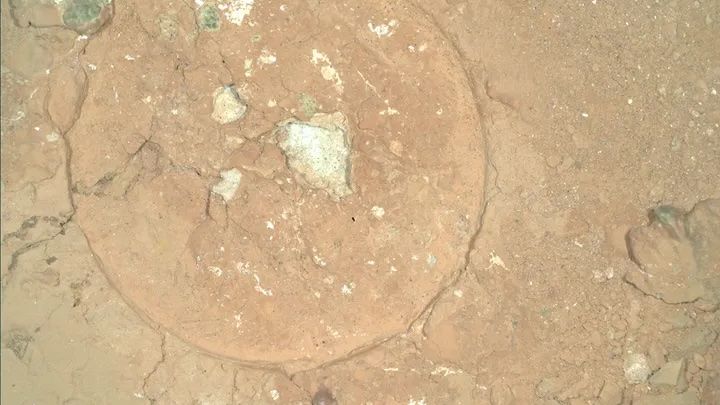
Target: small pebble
<point>553,160</point>
<point>699,360</point>
<point>636,368</point>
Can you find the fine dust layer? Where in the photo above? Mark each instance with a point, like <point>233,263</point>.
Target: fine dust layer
<point>206,228</point>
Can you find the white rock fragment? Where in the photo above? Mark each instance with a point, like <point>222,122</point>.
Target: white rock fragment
<point>236,10</point>
<point>347,289</point>
<point>378,212</point>
<point>275,395</point>
<point>601,276</point>
<point>227,105</point>
<point>267,58</point>
<point>227,187</point>
<point>431,260</point>
<point>319,151</point>
<point>396,147</point>
<point>636,368</point>
<point>445,371</point>
<point>496,260</point>
<point>383,30</point>
<point>248,67</point>
<point>319,260</point>
<point>390,111</point>
<point>264,291</point>
<point>52,137</point>
<point>327,70</point>
<point>217,271</point>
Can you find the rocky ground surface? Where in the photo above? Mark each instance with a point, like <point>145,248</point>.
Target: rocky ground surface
<point>594,279</point>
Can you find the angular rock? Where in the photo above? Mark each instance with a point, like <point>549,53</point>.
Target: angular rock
<point>68,86</point>
<point>636,368</point>
<point>227,105</point>
<point>677,254</point>
<point>696,340</point>
<point>319,151</point>
<point>669,375</point>
<point>208,18</point>
<point>87,16</point>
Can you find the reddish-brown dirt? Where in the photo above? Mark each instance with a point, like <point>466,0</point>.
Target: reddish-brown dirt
<point>514,202</point>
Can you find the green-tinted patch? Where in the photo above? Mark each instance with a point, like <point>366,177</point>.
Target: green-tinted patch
<point>666,214</point>
<point>308,104</point>
<point>168,26</point>
<point>209,18</point>
<point>81,13</point>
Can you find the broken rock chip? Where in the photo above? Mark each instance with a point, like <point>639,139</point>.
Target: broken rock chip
<point>636,368</point>
<point>678,254</point>
<point>669,375</point>
<point>82,16</point>
<point>227,105</point>
<point>68,85</point>
<point>228,185</point>
<point>208,18</point>
<point>319,152</point>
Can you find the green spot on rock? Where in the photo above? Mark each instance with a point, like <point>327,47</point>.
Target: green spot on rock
<point>86,16</point>
<point>168,26</point>
<point>308,104</point>
<point>209,18</point>
<point>665,214</point>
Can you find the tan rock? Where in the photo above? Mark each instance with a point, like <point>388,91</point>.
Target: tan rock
<point>677,254</point>
<point>636,368</point>
<point>669,374</point>
<point>68,86</point>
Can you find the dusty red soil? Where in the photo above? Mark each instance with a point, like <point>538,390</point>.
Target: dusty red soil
<point>528,211</point>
